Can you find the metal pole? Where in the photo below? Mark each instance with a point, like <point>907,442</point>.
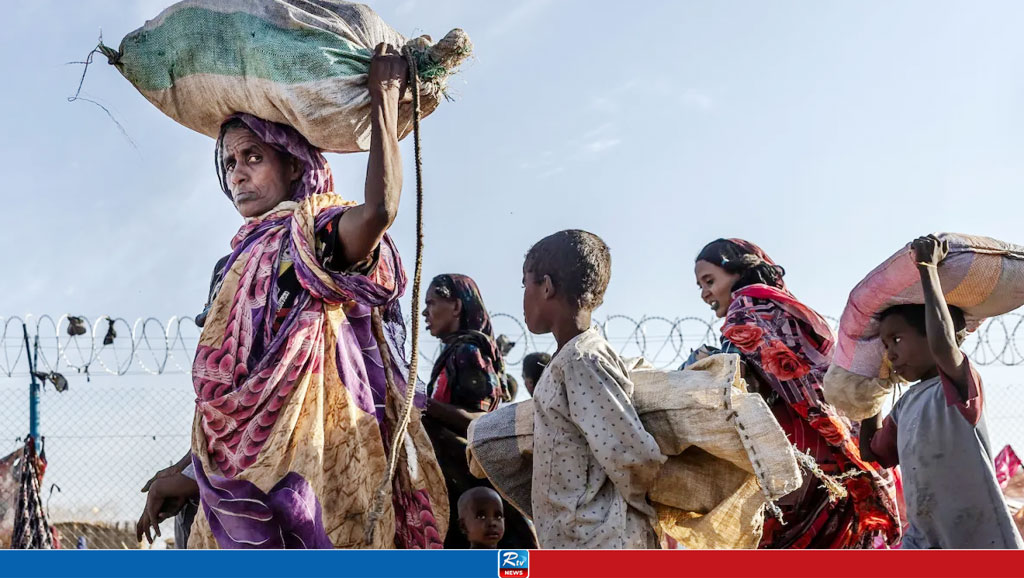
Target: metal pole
<point>33,392</point>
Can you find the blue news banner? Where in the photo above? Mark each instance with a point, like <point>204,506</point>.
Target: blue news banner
<point>266,563</point>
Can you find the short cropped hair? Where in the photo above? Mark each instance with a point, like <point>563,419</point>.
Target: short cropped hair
<point>914,315</point>
<point>474,493</point>
<point>534,364</point>
<point>578,263</point>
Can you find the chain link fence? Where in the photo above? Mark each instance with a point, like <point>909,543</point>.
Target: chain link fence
<point>128,409</point>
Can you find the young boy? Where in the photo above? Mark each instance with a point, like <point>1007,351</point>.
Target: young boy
<point>481,517</point>
<point>936,432</point>
<point>533,368</point>
<point>593,462</point>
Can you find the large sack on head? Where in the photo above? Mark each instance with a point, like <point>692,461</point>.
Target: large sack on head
<point>982,276</point>
<point>303,63</point>
<point>727,455</point>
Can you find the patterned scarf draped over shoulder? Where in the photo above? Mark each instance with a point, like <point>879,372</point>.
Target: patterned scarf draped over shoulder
<point>789,346</point>
<point>295,404</point>
<point>482,358</point>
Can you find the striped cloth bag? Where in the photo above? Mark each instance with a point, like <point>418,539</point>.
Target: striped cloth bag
<point>982,276</point>
<point>303,63</point>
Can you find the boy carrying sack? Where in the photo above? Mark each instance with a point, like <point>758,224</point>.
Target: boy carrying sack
<point>936,432</point>
<point>593,460</point>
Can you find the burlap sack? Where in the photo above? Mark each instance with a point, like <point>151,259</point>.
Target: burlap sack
<point>856,396</point>
<point>303,63</point>
<point>727,455</point>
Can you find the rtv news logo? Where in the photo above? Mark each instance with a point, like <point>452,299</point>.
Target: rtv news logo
<point>513,563</point>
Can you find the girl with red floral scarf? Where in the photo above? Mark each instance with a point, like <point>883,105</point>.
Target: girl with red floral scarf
<point>787,347</point>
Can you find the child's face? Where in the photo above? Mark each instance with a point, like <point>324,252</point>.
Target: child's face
<point>906,349</point>
<point>535,304</point>
<point>530,384</point>
<point>483,521</point>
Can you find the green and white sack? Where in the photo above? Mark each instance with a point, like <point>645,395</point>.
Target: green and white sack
<point>303,63</point>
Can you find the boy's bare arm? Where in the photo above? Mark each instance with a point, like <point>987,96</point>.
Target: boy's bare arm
<point>868,428</point>
<point>929,252</point>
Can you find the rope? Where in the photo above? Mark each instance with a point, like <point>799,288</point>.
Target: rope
<point>403,425</point>
<point>834,485</point>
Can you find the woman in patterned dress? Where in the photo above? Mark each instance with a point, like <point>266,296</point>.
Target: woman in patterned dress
<point>787,348</point>
<point>300,373</point>
<point>466,382</point>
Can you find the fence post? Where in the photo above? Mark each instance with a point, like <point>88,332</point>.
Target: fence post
<point>33,391</point>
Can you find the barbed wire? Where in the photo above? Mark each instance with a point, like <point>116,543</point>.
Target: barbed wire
<point>148,345</point>
<point>154,347</point>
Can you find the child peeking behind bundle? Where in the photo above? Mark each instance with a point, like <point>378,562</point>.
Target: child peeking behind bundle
<point>936,432</point>
<point>481,517</point>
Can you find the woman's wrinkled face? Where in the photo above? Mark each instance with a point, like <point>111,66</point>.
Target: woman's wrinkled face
<point>441,313</point>
<point>715,285</point>
<point>258,175</point>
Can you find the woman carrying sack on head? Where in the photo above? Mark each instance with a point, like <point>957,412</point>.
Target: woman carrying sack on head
<point>300,372</point>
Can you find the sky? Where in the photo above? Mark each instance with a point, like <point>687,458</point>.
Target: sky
<point>829,133</point>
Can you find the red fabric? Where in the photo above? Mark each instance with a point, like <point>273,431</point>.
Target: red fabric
<point>970,408</point>
<point>752,248</point>
<point>811,519</point>
<point>1007,465</point>
<point>789,347</point>
<point>790,303</point>
<point>442,393</point>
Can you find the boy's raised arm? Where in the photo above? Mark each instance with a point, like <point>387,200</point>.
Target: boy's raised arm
<point>929,252</point>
